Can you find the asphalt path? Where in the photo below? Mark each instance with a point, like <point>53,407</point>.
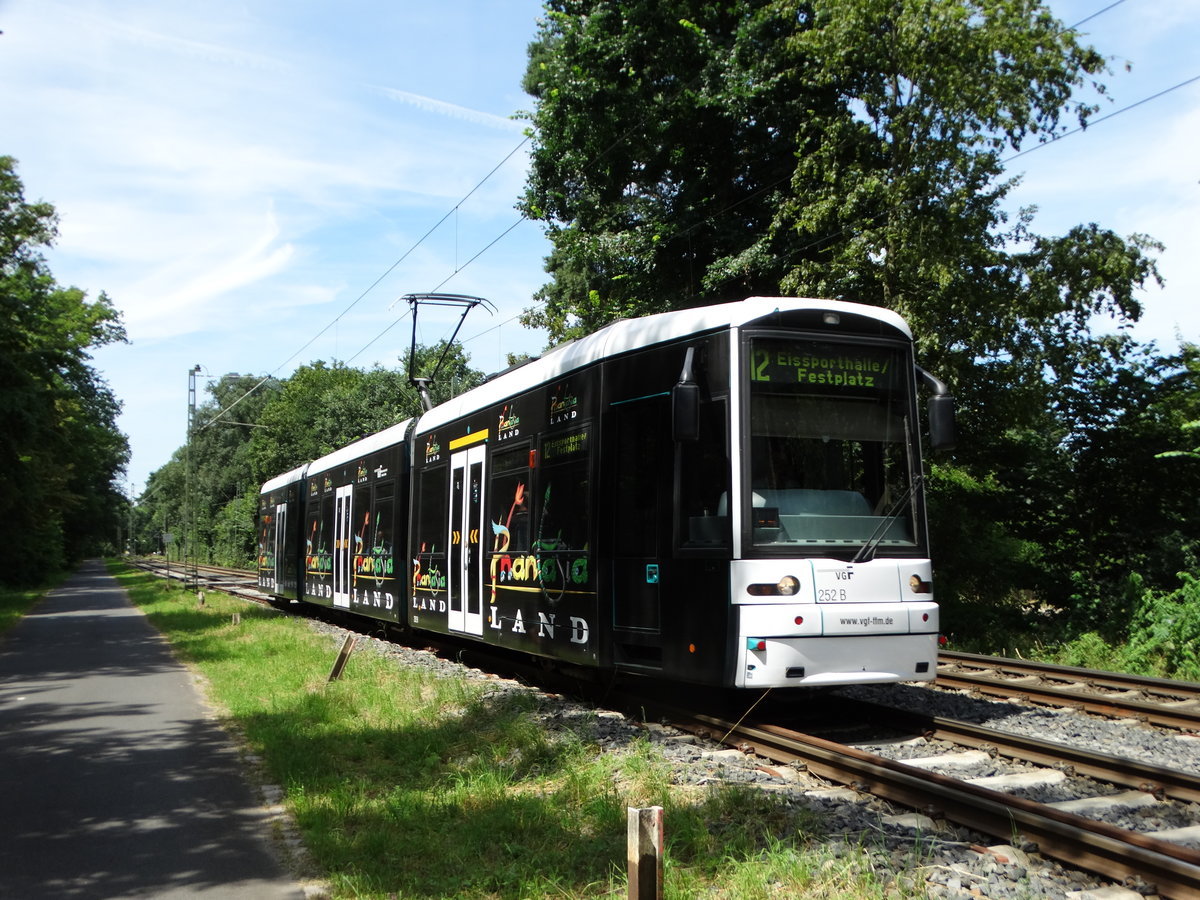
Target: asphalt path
<point>114,781</point>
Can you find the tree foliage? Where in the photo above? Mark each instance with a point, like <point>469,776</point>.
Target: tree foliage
<point>244,436</point>
<point>60,450</point>
<point>664,143</point>
<point>690,152</point>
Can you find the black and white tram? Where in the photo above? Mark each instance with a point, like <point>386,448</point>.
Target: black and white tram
<point>728,495</point>
<point>280,564</point>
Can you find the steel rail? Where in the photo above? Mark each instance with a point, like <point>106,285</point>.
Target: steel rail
<point>1094,678</point>
<point>1156,780</point>
<point>214,572</point>
<point>1183,717</point>
<point>1097,846</point>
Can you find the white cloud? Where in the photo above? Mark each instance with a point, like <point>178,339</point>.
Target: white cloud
<point>172,298</point>
<point>450,110</point>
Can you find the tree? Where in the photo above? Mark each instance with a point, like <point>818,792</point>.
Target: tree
<point>60,450</point>
<point>690,152</point>
<point>664,141</point>
<point>321,408</point>
<point>252,430</point>
<point>1096,508</point>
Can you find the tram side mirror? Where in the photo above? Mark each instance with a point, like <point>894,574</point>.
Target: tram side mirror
<point>943,433</point>
<point>685,412</point>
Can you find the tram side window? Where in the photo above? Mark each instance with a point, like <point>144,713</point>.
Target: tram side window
<point>509,498</point>
<point>378,543</point>
<point>704,481</point>
<point>382,536</point>
<point>320,538</point>
<point>563,513</point>
<point>428,536</point>
<point>432,499</point>
<point>641,464</point>
<point>360,521</point>
<point>266,533</point>
<point>311,528</point>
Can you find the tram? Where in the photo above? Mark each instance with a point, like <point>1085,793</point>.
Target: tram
<point>730,495</point>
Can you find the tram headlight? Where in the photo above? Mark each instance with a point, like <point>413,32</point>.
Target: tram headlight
<point>787,586</point>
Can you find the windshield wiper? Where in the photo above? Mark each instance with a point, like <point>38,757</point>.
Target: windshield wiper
<point>867,551</point>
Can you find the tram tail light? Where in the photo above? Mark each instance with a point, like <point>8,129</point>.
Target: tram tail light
<point>756,644</point>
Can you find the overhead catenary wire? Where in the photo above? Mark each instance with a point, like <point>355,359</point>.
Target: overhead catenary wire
<point>1105,118</point>
<point>1095,15</point>
<point>380,279</point>
<point>620,139</point>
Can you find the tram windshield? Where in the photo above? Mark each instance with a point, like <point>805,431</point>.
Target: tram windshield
<point>829,445</point>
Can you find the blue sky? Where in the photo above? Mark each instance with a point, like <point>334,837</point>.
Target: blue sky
<point>241,176</point>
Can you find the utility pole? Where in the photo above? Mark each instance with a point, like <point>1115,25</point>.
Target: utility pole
<point>191,574</point>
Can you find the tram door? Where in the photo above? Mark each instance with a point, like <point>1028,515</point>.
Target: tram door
<point>343,543</point>
<point>641,494</point>
<point>466,541</point>
<point>281,548</point>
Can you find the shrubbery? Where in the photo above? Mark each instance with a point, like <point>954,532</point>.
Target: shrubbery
<point>1162,636</point>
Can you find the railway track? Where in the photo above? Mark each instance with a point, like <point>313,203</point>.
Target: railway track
<point>1072,832</point>
<point>1061,831</point>
<point>1157,781</point>
<point>239,582</point>
<point>1156,701</point>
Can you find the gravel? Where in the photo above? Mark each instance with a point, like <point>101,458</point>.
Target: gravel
<point>951,862</point>
<point>1125,738</point>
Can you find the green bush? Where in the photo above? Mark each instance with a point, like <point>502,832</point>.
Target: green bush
<point>1165,631</point>
<point>1160,635</point>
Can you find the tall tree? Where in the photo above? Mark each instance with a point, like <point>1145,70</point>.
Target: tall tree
<point>664,142</point>
<point>689,152</point>
<point>60,451</point>
<point>250,431</point>
<point>897,201</point>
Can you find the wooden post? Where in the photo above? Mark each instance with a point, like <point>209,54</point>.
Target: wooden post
<point>343,657</point>
<point>644,836</point>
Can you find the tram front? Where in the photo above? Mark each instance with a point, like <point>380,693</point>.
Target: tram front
<point>831,580</point>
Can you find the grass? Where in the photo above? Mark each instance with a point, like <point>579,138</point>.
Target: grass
<point>15,603</point>
<point>408,785</point>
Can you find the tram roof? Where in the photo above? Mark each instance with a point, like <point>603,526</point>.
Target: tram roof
<point>634,334</point>
<point>285,479</point>
<point>362,447</point>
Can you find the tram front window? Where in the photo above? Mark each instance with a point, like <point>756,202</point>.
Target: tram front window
<point>829,446</point>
